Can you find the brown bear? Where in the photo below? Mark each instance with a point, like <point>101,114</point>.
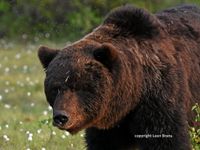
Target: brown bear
<point>131,82</point>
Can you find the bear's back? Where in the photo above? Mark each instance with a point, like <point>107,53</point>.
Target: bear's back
<point>183,26</point>
<point>182,20</point>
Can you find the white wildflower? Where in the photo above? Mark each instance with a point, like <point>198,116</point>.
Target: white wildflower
<point>39,131</point>
<point>63,136</point>
<point>6,138</point>
<point>6,70</point>
<point>28,93</point>
<point>32,104</point>
<point>30,137</point>
<point>18,56</point>
<point>6,90</point>
<point>45,112</point>
<point>53,132</point>
<point>7,106</point>
<point>49,108</point>
<point>67,133</point>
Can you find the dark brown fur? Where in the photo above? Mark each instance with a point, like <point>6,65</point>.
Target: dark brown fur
<point>135,74</point>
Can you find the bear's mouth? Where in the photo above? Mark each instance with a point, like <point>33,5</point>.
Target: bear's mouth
<point>72,129</point>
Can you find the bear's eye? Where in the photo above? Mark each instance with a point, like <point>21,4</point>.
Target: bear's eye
<point>55,91</point>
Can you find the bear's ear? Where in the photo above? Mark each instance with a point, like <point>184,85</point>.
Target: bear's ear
<point>46,55</point>
<point>132,21</point>
<point>106,54</point>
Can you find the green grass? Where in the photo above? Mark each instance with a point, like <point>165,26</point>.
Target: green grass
<point>25,117</point>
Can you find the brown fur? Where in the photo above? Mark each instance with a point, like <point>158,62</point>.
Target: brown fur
<point>135,73</point>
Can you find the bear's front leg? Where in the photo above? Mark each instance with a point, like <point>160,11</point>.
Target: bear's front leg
<point>116,138</point>
<point>160,129</point>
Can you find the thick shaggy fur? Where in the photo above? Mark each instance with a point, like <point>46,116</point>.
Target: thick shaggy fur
<point>136,74</point>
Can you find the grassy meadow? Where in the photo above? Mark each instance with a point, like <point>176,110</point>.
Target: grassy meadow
<point>25,117</point>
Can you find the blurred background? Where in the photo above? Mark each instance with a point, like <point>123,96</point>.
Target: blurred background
<point>25,117</point>
<point>58,19</point>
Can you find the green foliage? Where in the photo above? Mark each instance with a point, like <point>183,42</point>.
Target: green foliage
<point>195,131</point>
<point>56,19</point>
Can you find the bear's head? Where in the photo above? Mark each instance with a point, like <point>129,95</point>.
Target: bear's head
<point>96,81</point>
<point>79,83</point>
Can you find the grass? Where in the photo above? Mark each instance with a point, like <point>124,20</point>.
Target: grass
<point>25,117</point>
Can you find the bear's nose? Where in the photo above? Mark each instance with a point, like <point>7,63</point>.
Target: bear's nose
<point>60,119</point>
